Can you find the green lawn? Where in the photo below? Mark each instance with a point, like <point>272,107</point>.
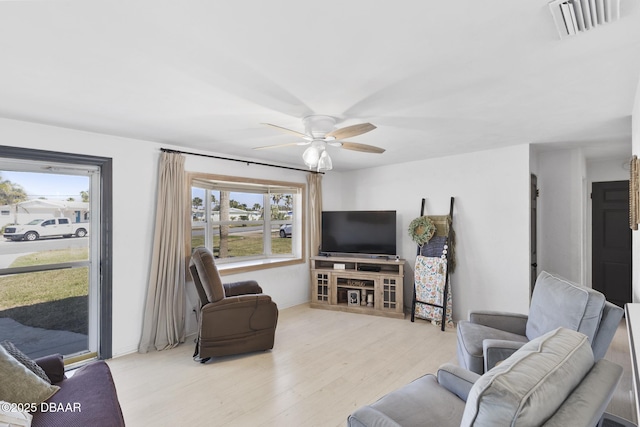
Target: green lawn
<point>50,299</point>
<point>246,244</point>
<point>52,257</point>
<point>30,288</point>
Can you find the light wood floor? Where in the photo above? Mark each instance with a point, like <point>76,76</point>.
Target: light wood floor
<point>324,365</point>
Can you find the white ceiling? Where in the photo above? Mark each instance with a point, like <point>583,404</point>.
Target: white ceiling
<point>436,78</point>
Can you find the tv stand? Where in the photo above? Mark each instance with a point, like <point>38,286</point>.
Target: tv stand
<point>379,280</point>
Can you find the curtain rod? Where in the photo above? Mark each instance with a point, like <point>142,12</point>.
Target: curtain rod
<point>248,162</point>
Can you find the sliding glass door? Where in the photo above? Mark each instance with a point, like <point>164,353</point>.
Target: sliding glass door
<point>51,249</point>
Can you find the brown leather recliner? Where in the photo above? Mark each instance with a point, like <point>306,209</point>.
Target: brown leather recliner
<point>235,317</point>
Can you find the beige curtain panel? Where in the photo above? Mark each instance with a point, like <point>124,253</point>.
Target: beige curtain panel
<point>164,317</point>
<point>315,211</point>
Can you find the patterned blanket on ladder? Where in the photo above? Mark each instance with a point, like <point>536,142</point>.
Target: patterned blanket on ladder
<point>430,275</point>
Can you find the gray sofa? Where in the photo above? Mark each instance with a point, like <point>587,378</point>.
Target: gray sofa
<point>550,381</point>
<point>489,337</point>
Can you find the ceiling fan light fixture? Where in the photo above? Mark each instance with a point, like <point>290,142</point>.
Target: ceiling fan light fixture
<point>311,156</point>
<point>324,163</point>
<point>321,131</point>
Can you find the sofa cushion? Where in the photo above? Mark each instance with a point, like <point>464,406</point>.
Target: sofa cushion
<point>86,398</point>
<point>419,403</point>
<point>19,384</point>
<point>557,302</point>
<point>53,366</point>
<point>528,387</point>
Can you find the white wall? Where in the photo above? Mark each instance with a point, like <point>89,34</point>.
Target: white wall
<point>491,218</point>
<point>611,169</point>
<point>134,189</point>
<point>561,213</point>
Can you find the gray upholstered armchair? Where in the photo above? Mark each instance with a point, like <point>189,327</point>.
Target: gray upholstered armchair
<point>235,317</point>
<point>489,337</point>
<point>550,381</point>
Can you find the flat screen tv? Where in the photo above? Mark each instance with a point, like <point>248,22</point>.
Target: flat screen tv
<point>359,232</point>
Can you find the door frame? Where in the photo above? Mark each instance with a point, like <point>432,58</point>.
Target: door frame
<point>105,285</point>
<point>533,232</point>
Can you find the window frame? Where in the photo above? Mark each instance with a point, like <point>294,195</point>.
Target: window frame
<point>264,261</point>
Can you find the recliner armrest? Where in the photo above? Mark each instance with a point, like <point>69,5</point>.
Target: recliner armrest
<point>496,351</point>
<point>242,288</point>
<point>611,316</point>
<point>250,300</point>
<point>368,416</point>
<point>456,379</point>
<point>515,323</point>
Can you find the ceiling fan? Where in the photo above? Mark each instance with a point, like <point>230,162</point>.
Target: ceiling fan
<point>319,132</point>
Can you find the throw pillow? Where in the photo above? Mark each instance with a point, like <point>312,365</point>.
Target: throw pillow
<point>530,385</point>
<point>19,384</point>
<point>25,360</point>
<point>10,415</point>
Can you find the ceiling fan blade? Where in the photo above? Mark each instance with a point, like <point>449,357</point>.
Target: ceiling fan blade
<point>362,147</point>
<point>349,131</point>
<point>266,147</point>
<point>295,132</point>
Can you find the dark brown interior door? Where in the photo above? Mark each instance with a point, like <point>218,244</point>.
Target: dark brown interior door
<point>611,251</point>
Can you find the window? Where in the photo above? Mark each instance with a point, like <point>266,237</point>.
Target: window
<point>247,223</point>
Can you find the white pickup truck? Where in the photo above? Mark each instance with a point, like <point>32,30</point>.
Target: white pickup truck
<point>53,227</point>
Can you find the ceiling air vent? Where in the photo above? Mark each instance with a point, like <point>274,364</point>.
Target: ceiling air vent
<point>575,16</point>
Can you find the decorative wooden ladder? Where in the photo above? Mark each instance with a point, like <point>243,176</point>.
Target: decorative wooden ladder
<point>443,307</point>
